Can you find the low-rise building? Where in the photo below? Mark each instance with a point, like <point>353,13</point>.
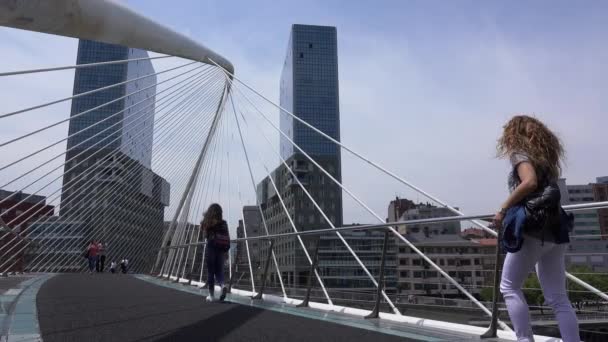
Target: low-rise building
<point>469,262</point>
<point>593,254</point>
<point>587,223</point>
<point>62,241</point>
<point>17,211</point>
<point>341,271</point>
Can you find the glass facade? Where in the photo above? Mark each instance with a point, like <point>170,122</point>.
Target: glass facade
<point>110,149</point>
<point>309,89</point>
<point>114,125</point>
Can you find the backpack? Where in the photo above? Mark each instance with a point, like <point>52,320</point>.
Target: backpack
<point>220,238</point>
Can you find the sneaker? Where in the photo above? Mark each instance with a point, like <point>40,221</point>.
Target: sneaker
<point>223,295</point>
<point>210,298</point>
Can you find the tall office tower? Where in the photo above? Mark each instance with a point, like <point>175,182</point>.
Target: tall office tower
<point>108,183</point>
<point>309,89</point>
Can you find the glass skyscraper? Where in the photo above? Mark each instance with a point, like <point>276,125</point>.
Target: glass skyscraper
<point>127,123</point>
<point>309,89</point>
<point>108,184</point>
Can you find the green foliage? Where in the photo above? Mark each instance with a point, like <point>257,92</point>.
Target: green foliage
<point>534,296</point>
<point>486,294</point>
<point>577,293</point>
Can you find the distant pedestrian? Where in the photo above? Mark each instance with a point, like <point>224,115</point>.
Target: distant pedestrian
<point>124,264</point>
<point>215,230</point>
<point>92,255</point>
<point>113,267</point>
<point>101,251</point>
<point>535,227</point>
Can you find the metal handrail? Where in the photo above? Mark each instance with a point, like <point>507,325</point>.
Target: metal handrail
<point>382,226</point>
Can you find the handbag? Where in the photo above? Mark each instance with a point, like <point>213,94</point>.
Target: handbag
<point>542,208</point>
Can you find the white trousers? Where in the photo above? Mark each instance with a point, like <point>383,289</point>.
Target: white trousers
<point>550,268</point>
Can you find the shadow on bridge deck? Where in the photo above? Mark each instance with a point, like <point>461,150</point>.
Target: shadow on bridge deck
<point>104,307</point>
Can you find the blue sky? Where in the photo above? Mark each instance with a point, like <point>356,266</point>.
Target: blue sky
<point>425,86</point>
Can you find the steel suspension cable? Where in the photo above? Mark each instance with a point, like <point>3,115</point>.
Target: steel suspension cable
<point>278,193</point>
<point>89,93</point>
<point>78,164</point>
<point>159,144</point>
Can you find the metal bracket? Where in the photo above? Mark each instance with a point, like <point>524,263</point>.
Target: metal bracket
<point>313,267</point>
<point>261,292</point>
<point>376,311</point>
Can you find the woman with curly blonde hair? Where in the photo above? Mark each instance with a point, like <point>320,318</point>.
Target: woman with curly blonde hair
<point>536,155</point>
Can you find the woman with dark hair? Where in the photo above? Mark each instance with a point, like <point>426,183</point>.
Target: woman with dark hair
<point>215,230</point>
<point>536,155</point>
<point>92,250</point>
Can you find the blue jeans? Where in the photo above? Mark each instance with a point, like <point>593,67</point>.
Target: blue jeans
<point>215,267</point>
<point>92,263</point>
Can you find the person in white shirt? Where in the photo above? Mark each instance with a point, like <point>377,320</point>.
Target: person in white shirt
<point>113,267</point>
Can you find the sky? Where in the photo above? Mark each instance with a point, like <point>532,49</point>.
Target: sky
<point>425,86</point>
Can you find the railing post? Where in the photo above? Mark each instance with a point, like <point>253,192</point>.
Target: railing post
<point>261,292</point>
<point>177,259</point>
<point>376,311</point>
<point>313,267</point>
<point>152,271</point>
<point>491,332</point>
<point>233,267</point>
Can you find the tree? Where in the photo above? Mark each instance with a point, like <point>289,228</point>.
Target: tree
<point>576,292</point>
<point>533,293</point>
<point>579,294</point>
<point>486,294</point>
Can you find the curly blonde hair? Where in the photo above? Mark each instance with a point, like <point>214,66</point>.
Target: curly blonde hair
<point>528,135</point>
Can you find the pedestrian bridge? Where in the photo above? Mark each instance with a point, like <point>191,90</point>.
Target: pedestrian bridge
<point>117,307</point>
<point>144,144</point>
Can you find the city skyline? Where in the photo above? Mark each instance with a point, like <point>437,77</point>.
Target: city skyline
<point>495,70</point>
<point>114,153</point>
<point>275,179</point>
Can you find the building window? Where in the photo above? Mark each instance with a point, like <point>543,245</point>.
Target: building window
<point>310,45</point>
<point>404,274</point>
<point>301,55</point>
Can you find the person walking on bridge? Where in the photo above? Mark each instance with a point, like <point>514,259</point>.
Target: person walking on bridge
<point>215,230</point>
<point>101,260</point>
<point>92,255</point>
<point>535,227</point>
